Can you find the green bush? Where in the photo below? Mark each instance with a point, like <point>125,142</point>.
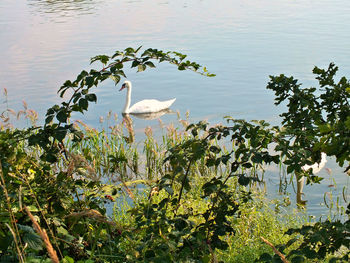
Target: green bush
<point>193,199</point>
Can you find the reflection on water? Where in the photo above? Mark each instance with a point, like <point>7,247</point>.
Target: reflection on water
<point>64,8</point>
<point>150,115</point>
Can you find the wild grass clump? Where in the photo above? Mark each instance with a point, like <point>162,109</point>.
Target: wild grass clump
<point>260,219</point>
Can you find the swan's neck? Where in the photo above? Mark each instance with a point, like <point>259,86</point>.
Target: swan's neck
<point>128,100</point>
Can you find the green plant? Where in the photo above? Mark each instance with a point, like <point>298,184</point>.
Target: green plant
<point>260,217</point>
<point>316,121</point>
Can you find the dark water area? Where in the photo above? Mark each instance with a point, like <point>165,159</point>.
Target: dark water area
<point>44,43</point>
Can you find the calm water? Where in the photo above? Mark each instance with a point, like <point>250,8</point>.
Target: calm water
<point>43,43</point>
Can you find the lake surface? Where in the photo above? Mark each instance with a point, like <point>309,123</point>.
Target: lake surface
<point>44,43</point>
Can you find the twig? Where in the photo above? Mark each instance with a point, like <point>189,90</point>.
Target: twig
<point>127,189</point>
<point>283,258</point>
<point>52,253</point>
<point>184,181</point>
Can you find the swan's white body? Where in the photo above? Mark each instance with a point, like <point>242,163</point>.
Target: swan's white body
<point>143,106</point>
<point>316,167</point>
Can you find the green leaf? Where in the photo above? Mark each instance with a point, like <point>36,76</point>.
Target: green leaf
<point>181,66</point>
<point>141,68</point>
<point>347,122</point>
<point>137,50</point>
<point>247,165</point>
<point>51,111</point>
<point>257,158</point>
<point>76,107</point>
<point>67,259</point>
<point>83,103</point>
<point>50,157</point>
<point>265,257</point>
<point>115,78</point>
<point>210,162</point>
<point>33,240</point>
<point>135,63</point>
<point>117,66</point>
<point>5,241</point>
<point>129,50</point>
<point>60,134</point>
<point>309,253</point>
<point>49,119</point>
<point>214,149</point>
<point>150,64</point>
<point>206,259</point>
<point>76,97</point>
<point>117,54</point>
<point>103,58</point>
<point>62,91</point>
<point>290,169</point>
<point>242,180</point>
<point>89,81</point>
<point>62,116</point>
<point>298,259</point>
<point>149,254</point>
<point>91,97</point>
<point>234,167</point>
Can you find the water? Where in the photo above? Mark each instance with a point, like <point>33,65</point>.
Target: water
<point>43,43</point>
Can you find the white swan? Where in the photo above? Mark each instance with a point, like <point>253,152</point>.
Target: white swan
<point>316,168</point>
<point>143,106</point>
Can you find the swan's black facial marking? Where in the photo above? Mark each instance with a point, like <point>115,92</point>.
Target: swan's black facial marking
<point>123,87</point>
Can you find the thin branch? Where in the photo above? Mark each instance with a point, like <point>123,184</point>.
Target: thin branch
<point>283,258</point>
<point>183,181</point>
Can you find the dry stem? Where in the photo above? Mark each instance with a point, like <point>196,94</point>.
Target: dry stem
<point>283,258</point>
<point>52,253</point>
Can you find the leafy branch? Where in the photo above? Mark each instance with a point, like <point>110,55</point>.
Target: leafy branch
<point>57,125</point>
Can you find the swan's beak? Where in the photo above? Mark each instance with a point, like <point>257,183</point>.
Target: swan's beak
<point>123,87</point>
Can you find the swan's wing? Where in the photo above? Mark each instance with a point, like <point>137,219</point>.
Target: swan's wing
<point>147,106</point>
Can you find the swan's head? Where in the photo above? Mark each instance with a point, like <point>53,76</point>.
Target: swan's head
<point>126,84</point>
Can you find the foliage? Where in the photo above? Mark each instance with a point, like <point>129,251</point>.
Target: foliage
<point>38,172</point>
<point>319,241</point>
<point>322,239</point>
<point>188,203</point>
<point>173,230</point>
<point>316,122</point>
<point>260,218</point>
